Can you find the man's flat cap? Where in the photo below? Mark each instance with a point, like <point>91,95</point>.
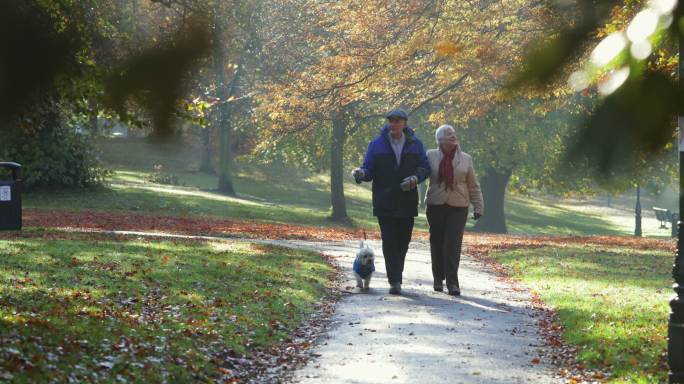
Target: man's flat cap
<point>397,114</point>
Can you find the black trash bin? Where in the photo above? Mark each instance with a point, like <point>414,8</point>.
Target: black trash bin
<point>10,198</point>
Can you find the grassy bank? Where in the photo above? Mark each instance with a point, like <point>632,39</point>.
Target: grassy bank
<point>612,302</point>
<point>162,179</point>
<point>104,310</point>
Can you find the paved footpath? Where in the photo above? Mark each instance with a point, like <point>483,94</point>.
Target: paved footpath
<point>488,335</point>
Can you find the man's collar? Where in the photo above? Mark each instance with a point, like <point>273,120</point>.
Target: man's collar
<point>401,138</point>
<point>408,133</point>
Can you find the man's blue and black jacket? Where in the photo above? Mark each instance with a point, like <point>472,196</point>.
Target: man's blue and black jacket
<point>380,165</point>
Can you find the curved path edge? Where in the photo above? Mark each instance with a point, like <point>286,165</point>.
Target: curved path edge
<point>487,335</point>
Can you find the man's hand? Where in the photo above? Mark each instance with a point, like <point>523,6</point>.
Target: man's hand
<point>477,215</point>
<point>358,174</point>
<point>409,183</point>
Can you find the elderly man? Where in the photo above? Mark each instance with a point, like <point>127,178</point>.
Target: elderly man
<point>396,163</point>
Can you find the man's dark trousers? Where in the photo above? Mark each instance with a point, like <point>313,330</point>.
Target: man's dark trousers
<point>396,236</point>
<point>446,236</point>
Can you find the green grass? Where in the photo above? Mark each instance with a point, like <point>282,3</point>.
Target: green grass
<point>303,203</point>
<point>280,194</point>
<point>613,304</point>
<point>528,215</point>
<point>268,194</point>
<point>93,309</point>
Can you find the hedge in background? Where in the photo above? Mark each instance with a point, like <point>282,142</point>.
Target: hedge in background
<point>52,154</point>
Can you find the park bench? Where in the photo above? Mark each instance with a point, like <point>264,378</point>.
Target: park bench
<point>664,216</point>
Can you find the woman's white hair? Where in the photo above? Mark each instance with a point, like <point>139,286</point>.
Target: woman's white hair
<point>442,131</point>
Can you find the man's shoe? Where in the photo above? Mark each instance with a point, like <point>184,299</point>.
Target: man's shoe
<point>454,290</point>
<point>438,286</point>
<point>395,289</point>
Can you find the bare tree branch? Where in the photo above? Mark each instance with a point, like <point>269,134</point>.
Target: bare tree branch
<point>436,96</point>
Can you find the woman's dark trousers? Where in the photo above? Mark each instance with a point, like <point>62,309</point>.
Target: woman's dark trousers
<point>446,236</point>
<point>396,236</point>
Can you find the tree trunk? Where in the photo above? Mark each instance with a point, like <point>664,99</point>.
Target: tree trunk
<point>637,213</point>
<point>205,161</point>
<point>92,123</point>
<point>224,126</point>
<point>493,185</point>
<point>339,205</point>
<point>92,117</point>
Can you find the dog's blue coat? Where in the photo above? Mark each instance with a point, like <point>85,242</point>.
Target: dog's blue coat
<point>363,270</point>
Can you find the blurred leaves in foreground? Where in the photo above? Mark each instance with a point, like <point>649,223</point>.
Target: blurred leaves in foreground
<point>41,47</point>
<point>639,100</point>
<point>34,52</point>
<point>629,125</point>
<point>157,76</point>
<point>549,57</point>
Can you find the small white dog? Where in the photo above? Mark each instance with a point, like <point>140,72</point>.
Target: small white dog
<point>364,266</point>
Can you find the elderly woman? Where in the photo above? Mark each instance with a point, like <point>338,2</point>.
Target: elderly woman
<point>453,188</point>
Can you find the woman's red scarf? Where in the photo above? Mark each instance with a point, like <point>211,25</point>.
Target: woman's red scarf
<point>446,169</point>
